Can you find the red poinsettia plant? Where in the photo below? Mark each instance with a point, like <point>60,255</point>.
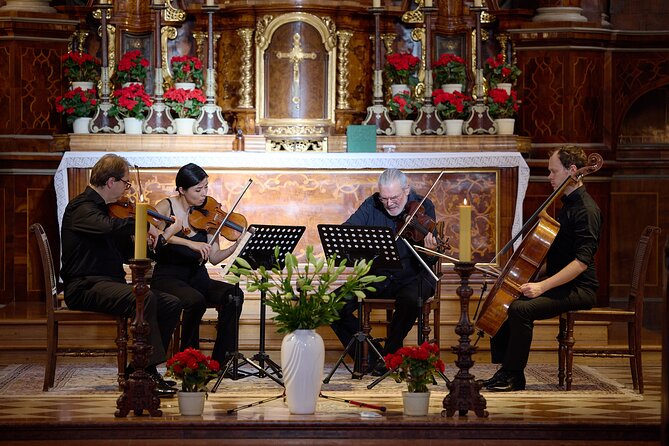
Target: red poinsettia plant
<point>502,104</point>
<point>193,369</point>
<point>449,69</point>
<point>80,67</point>
<point>416,365</point>
<point>131,68</point>
<point>187,69</point>
<point>185,103</point>
<point>130,102</point>
<point>498,70</point>
<point>77,103</point>
<point>454,105</point>
<point>400,68</point>
<point>403,106</point>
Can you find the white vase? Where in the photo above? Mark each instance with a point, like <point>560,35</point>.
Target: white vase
<point>185,85</point>
<point>505,126</point>
<point>84,85</point>
<point>403,127</point>
<point>80,125</point>
<point>191,403</point>
<point>302,362</point>
<point>453,126</point>
<point>184,126</point>
<point>399,89</point>
<point>504,86</point>
<point>416,404</point>
<point>450,88</point>
<point>133,126</point>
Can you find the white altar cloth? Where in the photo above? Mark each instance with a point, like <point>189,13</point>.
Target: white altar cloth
<point>305,160</point>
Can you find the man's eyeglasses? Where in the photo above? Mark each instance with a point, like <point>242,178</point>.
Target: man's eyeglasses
<point>394,199</point>
<point>128,184</point>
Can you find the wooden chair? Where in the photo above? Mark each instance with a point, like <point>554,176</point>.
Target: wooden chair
<point>431,305</point>
<point>632,315</point>
<point>56,313</point>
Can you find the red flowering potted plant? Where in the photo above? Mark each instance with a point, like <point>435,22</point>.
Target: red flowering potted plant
<point>450,71</point>
<point>500,73</point>
<point>403,108</point>
<point>80,67</point>
<point>502,107</point>
<point>187,69</point>
<point>78,105</point>
<point>400,70</point>
<point>417,366</point>
<point>453,109</point>
<point>132,104</point>
<point>187,105</point>
<point>194,370</point>
<point>131,68</point>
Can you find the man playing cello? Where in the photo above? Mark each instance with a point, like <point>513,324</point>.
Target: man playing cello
<point>567,280</point>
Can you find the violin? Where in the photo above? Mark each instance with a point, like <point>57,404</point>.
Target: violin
<point>124,208</point>
<point>209,215</point>
<point>422,224</point>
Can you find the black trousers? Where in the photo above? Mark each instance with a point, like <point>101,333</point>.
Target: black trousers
<point>112,296</point>
<point>406,295</point>
<point>195,299</point>
<point>511,345</point>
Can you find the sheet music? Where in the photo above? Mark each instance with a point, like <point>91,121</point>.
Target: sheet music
<point>242,243</point>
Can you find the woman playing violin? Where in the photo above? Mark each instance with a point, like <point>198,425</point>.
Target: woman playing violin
<point>568,282</point>
<point>387,208</point>
<point>180,266</point>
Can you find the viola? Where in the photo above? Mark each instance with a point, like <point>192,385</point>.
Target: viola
<point>124,208</point>
<point>422,224</point>
<point>209,216</point>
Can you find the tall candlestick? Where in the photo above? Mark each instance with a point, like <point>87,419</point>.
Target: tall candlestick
<point>140,230</point>
<point>465,232</point>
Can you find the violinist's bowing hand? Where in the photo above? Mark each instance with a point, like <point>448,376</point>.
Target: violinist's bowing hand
<point>204,249</point>
<point>532,289</point>
<point>430,241</point>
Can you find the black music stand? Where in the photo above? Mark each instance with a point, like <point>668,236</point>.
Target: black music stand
<point>354,243</point>
<point>259,251</point>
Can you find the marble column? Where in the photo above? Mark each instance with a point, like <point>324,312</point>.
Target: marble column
<point>559,11</point>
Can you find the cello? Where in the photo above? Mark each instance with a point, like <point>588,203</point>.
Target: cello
<point>527,259</point>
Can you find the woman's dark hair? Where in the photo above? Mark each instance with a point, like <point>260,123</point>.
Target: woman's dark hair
<point>190,175</point>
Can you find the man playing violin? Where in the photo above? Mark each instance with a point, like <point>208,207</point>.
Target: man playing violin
<point>567,280</point>
<point>387,208</point>
<point>181,270</point>
<point>95,246</point>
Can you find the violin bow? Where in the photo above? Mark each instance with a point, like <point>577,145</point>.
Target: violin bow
<point>225,219</point>
<point>413,214</point>
<point>139,184</point>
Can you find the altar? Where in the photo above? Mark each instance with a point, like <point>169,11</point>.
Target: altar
<point>311,188</point>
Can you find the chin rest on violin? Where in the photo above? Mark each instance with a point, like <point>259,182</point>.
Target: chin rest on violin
<point>124,208</point>
<point>209,216</point>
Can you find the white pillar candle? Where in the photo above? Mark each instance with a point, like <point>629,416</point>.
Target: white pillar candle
<point>478,3</point>
<point>140,230</point>
<point>377,3</point>
<point>465,232</point>
<point>210,2</point>
<point>428,3</point>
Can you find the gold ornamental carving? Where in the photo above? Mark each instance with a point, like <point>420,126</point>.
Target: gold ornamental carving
<point>343,38</point>
<point>388,39</point>
<point>166,33</point>
<point>246,87</point>
<point>172,14</point>
<point>296,55</point>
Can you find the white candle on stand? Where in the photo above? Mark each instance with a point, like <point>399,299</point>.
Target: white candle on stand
<point>140,230</point>
<point>428,3</point>
<point>465,232</point>
<point>210,2</point>
<point>377,3</point>
<point>478,3</point>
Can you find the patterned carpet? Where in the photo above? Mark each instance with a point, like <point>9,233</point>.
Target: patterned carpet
<point>26,379</point>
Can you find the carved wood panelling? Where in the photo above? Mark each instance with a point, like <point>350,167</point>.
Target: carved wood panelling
<point>6,73</point>
<point>40,81</point>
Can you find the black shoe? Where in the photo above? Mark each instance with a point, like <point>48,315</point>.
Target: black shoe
<point>499,375</point>
<point>514,381</point>
<point>160,381</point>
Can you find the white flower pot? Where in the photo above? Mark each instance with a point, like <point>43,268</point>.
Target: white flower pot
<point>505,126</point>
<point>184,126</point>
<point>191,403</point>
<point>133,126</point>
<point>302,363</point>
<point>84,85</point>
<point>450,88</point>
<point>453,126</point>
<point>403,127</point>
<point>127,84</point>
<point>399,89</point>
<point>80,125</point>
<point>185,85</point>
<point>416,404</point>
<point>504,86</point>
